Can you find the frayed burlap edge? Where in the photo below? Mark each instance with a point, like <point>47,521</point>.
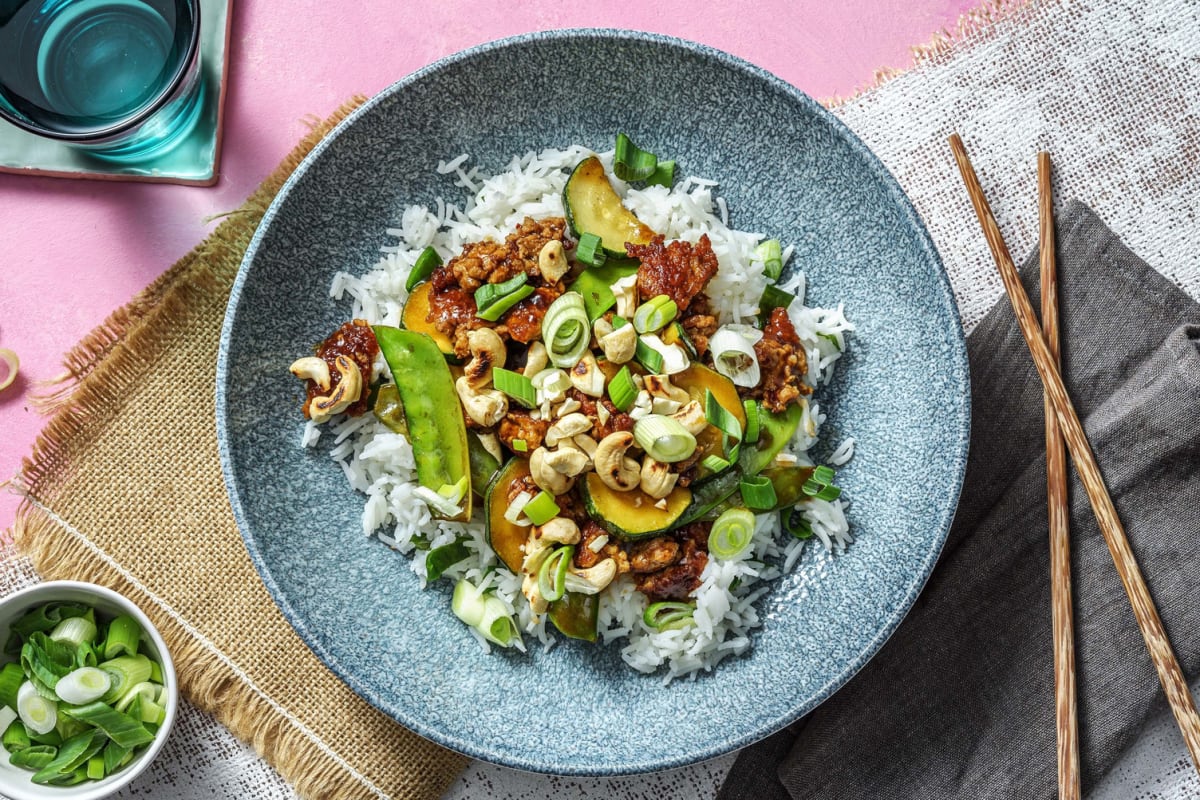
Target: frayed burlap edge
<point>943,44</point>
<point>95,372</point>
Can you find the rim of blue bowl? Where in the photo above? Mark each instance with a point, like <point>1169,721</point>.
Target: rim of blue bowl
<point>766,727</point>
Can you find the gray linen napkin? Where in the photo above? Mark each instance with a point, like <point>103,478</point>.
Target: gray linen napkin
<point>960,702</point>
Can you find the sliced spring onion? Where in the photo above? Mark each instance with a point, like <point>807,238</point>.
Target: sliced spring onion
<point>7,718</point>
<point>73,754</point>
<point>820,484</point>
<point>38,713</point>
<point>44,618</point>
<point>714,463</point>
<point>733,354</point>
<point>654,314</point>
<point>566,331</point>
<point>497,309</point>
<point>647,356</point>
<point>423,267</point>
<point>440,559</point>
<point>621,389</point>
<point>147,711</point>
<point>824,474</point>
<point>552,574</point>
<point>664,175</point>
<point>15,736</point>
<point>455,492</point>
<point>520,446</point>
<point>772,298</point>
<point>753,422</point>
<point>45,660</point>
<point>12,365</point>
<point>148,690</point>
<point>83,685</point>
<point>664,438</point>
<point>497,625</point>
<point>674,359</point>
<point>542,508</point>
<point>11,678</point>
<point>121,728</point>
<point>95,767</point>
<point>731,534</point>
<point>75,630</point>
<point>719,417</point>
<point>831,338</point>
<point>444,506</point>
<point>468,602</point>
<point>124,634</point>
<point>668,615</point>
<point>589,251</point>
<point>126,672</point>
<point>35,756</point>
<point>489,294</point>
<point>156,672</point>
<point>630,162</point>
<point>771,255</point>
<point>115,757</point>
<point>758,492</point>
<point>829,493</point>
<point>516,386</point>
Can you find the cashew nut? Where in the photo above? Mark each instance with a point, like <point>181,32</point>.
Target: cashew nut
<point>559,530</point>
<point>567,461</point>
<point>595,578</point>
<point>691,417</point>
<point>536,359</point>
<point>625,290</point>
<point>618,345</point>
<point>491,443</point>
<point>567,427</point>
<point>660,386</point>
<point>546,476</point>
<point>347,391</point>
<point>657,478</point>
<point>485,408</point>
<point>529,588</point>
<point>487,351</point>
<point>585,443</point>
<point>312,369</point>
<point>619,473</point>
<point>587,377</point>
<point>552,261</point>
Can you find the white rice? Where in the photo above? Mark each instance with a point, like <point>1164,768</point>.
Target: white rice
<point>379,463</point>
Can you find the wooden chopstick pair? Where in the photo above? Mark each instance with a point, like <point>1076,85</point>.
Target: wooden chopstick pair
<point>1063,425</point>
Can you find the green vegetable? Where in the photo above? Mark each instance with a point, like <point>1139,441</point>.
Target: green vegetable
<point>648,357</point>
<point>121,728</point>
<point>45,660</point>
<point>664,438</point>
<point>74,631</point>
<point>632,515</point>
<point>34,757</point>
<point>431,408</point>
<point>771,255</point>
<point>589,251</point>
<point>552,574</point>
<point>772,298</point>
<point>15,737</point>
<point>389,410</point>
<point>37,712</point>
<point>115,757</point>
<point>794,523</point>
<point>820,485</point>
<point>593,206</point>
<point>423,267</point>
<point>11,678</point>
<point>712,494</point>
<point>654,314</point>
<point>542,508</point>
<point>723,420</point>
<point>439,559</point>
<point>124,634</point>
<point>752,421</point>
<point>775,431</point>
<point>516,386</point>
<point>758,493</point>
<point>95,767</point>
<point>83,685</point>
<point>664,175</point>
<point>483,465</point>
<point>42,619</point>
<point>595,286</point>
<point>565,330</point>
<point>668,615</point>
<point>630,162</point>
<point>788,482</point>
<point>500,307</point>
<point>520,446</point>
<point>731,534</point>
<point>486,614</point>
<point>506,538</point>
<point>126,672</point>
<point>576,615</point>
<point>415,317</point>
<point>489,294</point>
<point>73,754</point>
<point>621,389</point>
<point>675,334</point>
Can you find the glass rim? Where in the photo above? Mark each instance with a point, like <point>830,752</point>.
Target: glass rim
<point>102,134</point>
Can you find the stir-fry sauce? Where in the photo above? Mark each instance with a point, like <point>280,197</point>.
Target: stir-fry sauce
<point>356,341</point>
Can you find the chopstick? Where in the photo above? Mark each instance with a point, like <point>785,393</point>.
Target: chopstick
<point>1056,491</point>
<point>1144,611</point>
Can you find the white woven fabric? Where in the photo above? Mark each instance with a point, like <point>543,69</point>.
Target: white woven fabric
<point>1109,88</point>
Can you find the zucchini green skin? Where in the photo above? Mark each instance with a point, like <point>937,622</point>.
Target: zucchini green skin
<point>431,409</point>
<point>712,493</point>
<point>505,538</point>
<point>576,615</point>
<point>616,513</point>
<point>593,206</point>
<point>415,317</point>
<point>775,431</point>
<point>484,465</point>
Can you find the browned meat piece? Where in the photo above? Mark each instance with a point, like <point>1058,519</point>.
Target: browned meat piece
<point>356,341</point>
<point>679,270</point>
<point>679,580</point>
<point>700,323</point>
<point>590,531</point>
<point>653,554</point>
<point>517,424</point>
<point>617,421</point>
<point>782,362</point>
<point>524,321</point>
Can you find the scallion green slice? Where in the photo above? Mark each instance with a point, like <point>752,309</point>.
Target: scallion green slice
<point>501,306</point>
<point>552,574</point>
<point>489,294</point>
<point>731,534</point>
<point>648,357</point>
<point>820,484</point>
<point>497,625</point>
<point>720,417</point>
<point>121,728</point>
<point>440,559</point>
<point>758,492</point>
<point>35,756</point>
<point>566,331</point>
<point>622,390</point>
<point>772,298</point>
<point>520,446</point>
<point>541,509</point>
<point>595,285</point>
<point>654,314</point>
<point>468,602</point>
<point>38,713</point>
<point>124,635</point>
<point>829,493</point>
<point>74,631</point>
<point>126,672</point>
<point>15,736</point>
<point>516,386</point>
<point>83,685</point>
<point>95,767</point>
<point>664,175</point>
<point>11,678</point>
<point>770,253</point>
<point>664,438</point>
<point>73,754</point>
<point>668,615</point>
<point>753,421</point>
<point>115,757</point>
<point>630,162</point>
<point>423,267</point>
<point>824,474</point>
<point>589,250</point>
<point>714,463</point>
<point>831,338</point>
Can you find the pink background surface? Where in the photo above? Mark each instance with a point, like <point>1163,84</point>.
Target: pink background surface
<point>75,250</point>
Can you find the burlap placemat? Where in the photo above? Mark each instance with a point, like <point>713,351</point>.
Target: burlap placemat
<point>124,488</point>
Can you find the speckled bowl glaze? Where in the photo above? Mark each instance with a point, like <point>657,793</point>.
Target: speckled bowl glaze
<point>786,167</point>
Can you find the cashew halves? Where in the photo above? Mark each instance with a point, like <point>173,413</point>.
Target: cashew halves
<point>536,359</point>
<point>546,476</point>
<point>596,577</point>
<point>657,478</point>
<point>567,461</point>
<point>552,261</point>
<point>559,530</point>
<point>587,377</point>
<point>347,391</point>
<point>485,408</point>
<point>566,427</point>
<point>312,369</point>
<point>487,351</point>
<point>618,345</point>
<point>619,472</point>
<point>691,417</point>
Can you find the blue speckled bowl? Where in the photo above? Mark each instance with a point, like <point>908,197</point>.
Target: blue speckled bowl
<point>786,167</point>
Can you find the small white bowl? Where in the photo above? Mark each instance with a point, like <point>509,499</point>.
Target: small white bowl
<point>15,782</point>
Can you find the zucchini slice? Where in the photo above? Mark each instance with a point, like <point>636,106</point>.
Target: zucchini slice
<point>593,206</point>
<point>415,317</point>
<point>504,537</point>
<point>632,515</point>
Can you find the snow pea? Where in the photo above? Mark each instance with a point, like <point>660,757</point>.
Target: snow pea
<point>436,429</point>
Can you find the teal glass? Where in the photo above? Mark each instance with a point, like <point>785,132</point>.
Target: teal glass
<point>118,78</point>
